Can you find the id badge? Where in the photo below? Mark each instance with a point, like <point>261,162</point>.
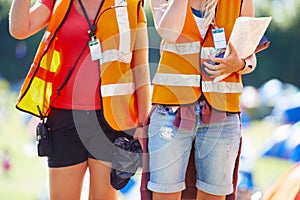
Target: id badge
<point>219,38</point>
<point>95,49</point>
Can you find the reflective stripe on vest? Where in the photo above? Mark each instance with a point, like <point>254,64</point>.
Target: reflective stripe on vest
<point>117,89</point>
<point>194,81</point>
<point>222,87</point>
<point>177,79</point>
<point>182,48</point>
<point>123,24</point>
<point>189,48</point>
<point>123,54</point>
<point>45,36</point>
<point>115,55</point>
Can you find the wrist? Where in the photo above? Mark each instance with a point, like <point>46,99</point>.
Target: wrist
<point>247,67</point>
<point>244,64</point>
<point>140,124</point>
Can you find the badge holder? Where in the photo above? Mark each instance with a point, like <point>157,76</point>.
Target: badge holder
<point>95,49</point>
<point>219,38</point>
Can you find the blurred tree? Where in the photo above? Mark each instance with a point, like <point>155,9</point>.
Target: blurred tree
<point>280,61</point>
<point>15,55</point>
<point>4,7</point>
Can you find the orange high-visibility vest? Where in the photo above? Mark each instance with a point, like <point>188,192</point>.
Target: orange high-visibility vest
<point>179,78</point>
<point>119,19</point>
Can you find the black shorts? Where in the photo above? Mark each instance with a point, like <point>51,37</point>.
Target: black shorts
<point>79,135</point>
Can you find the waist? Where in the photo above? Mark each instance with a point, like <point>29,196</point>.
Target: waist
<point>172,110</point>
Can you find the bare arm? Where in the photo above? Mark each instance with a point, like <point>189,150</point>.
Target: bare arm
<point>24,21</point>
<point>169,17</point>
<point>142,77</point>
<point>248,8</point>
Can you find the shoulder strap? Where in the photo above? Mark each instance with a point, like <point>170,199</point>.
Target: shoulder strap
<point>54,1</point>
<point>241,7</point>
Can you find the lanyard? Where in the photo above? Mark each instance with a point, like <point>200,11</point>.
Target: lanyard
<point>92,26</point>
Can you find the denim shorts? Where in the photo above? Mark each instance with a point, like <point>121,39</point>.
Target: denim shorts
<point>216,150</point>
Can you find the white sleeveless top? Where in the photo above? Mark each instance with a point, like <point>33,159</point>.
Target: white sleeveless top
<point>199,22</point>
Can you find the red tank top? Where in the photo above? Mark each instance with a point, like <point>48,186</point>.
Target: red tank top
<point>82,91</point>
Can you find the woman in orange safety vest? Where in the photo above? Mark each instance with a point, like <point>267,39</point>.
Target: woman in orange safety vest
<point>189,104</point>
<point>89,79</point>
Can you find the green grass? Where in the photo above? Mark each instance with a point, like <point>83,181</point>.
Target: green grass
<point>266,171</point>
<point>27,179</point>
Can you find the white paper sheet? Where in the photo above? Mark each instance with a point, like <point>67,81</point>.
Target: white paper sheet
<point>245,36</point>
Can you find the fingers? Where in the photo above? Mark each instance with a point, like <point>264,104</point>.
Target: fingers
<point>213,70</point>
<point>213,73</point>
<point>140,133</point>
<point>226,65</point>
<point>212,67</point>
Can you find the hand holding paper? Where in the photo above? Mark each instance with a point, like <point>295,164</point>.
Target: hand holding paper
<point>245,36</point>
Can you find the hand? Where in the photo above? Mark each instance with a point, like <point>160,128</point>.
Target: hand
<point>232,63</point>
<point>140,134</point>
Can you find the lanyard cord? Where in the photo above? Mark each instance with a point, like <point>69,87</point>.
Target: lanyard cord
<point>71,69</point>
<point>92,26</point>
<point>91,34</point>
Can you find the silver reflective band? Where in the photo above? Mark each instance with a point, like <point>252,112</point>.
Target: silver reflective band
<point>115,55</point>
<point>222,87</point>
<point>123,25</point>
<point>123,54</point>
<point>194,81</point>
<point>177,79</point>
<point>182,48</point>
<point>45,36</point>
<point>120,2</point>
<point>117,89</point>
<point>56,4</point>
<point>206,51</point>
<point>189,48</point>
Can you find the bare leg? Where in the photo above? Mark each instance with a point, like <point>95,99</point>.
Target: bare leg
<point>100,187</point>
<point>167,196</point>
<point>205,196</point>
<point>66,182</point>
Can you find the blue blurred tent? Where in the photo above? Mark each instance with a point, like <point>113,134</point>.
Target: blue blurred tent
<point>287,109</point>
<point>292,115</point>
<point>285,143</point>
